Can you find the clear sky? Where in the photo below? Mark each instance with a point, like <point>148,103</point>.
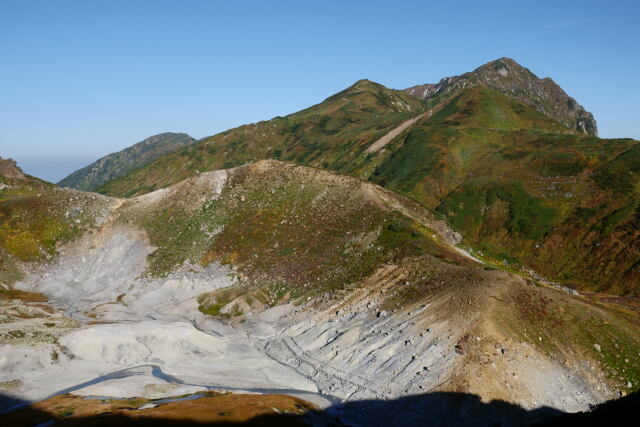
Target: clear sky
<point>80,79</point>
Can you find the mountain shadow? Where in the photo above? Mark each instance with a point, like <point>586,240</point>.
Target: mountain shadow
<point>438,409</point>
<point>431,409</point>
<point>617,412</point>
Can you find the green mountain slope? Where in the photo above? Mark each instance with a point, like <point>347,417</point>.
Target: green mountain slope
<point>510,78</point>
<point>311,230</point>
<point>332,135</point>
<point>518,185</point>
<point>118,164</point>
<point>378,299</point>
<point>36,217</point>
<point>563,204</point>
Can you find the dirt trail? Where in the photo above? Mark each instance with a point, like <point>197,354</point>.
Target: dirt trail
<point>449,236</point>
<point>380,143</point>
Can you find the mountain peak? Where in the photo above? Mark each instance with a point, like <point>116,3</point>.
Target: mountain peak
<point>507,76</point>
<point>365,93</point>
<point>365,84</point>
<point>164,135</point>
<point>504,67</point>
<point>363,81</point>
<point>504,60</point>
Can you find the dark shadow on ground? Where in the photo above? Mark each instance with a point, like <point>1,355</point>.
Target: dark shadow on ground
<point>438,409</point>
<point>431,409</point>
<point>619,412</point>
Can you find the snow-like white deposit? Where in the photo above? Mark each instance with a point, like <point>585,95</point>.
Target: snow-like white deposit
<point>360,356</point>
<point>138,382</point>
<point>156,343</point>
<point>101,275</point>
<point>184,352</point>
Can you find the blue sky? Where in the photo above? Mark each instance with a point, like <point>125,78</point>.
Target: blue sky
<point>80,79</point>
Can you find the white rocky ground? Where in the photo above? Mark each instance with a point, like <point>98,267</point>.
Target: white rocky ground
<point>147,338</point>
<point>363,354</point>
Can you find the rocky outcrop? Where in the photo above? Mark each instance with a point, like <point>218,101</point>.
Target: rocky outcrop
<point>507,76</point>
<point>10,170</point>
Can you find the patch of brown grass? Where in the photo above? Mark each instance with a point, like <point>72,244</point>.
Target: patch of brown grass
<point>211,407</point>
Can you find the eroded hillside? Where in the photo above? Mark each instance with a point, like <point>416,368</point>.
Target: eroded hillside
<point>274,276</point>
<point>37,217</point>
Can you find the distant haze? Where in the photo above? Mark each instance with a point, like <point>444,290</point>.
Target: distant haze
<point>52,169</point>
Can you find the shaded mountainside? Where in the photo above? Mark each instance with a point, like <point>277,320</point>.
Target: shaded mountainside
<point>508,77</point>
<point>619,412</point>
<point>522,188</point>
<point>441,409</point>
<point>118,164</point>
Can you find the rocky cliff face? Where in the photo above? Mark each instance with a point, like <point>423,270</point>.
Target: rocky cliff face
<point>507,76</point>
<point>117,164</point>
<point>10,170</point>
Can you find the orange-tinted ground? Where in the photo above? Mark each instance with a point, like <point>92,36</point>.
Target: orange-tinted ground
<point>211,408</point>
<point>22,295</point>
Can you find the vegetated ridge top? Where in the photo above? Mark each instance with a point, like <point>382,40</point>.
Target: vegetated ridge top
<point>122,162</point>
<point>507,76</point>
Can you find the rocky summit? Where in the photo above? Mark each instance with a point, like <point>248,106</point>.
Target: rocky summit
<point>507,76</point>
<point>9,170</point>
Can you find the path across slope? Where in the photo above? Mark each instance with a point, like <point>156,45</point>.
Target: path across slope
<point>380,143</point>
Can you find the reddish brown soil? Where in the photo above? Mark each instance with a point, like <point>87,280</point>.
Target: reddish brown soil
<point>211,408</point>
<point>22,295</point>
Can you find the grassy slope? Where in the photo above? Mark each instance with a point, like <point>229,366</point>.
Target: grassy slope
<point>288,230</point>
<point>294,233</point>
<point>563,204</point>
<point>516,184</point>
<point>583,333</point>
<point>35,217</point>
<point>331,135</point>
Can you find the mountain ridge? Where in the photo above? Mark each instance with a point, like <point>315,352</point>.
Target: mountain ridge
<point>548,197</point>
<point>509,77</point>
<point>122,162</point>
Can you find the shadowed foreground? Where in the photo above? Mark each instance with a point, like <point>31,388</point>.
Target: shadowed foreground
<point>433,409</point>
<point>436,409</point>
